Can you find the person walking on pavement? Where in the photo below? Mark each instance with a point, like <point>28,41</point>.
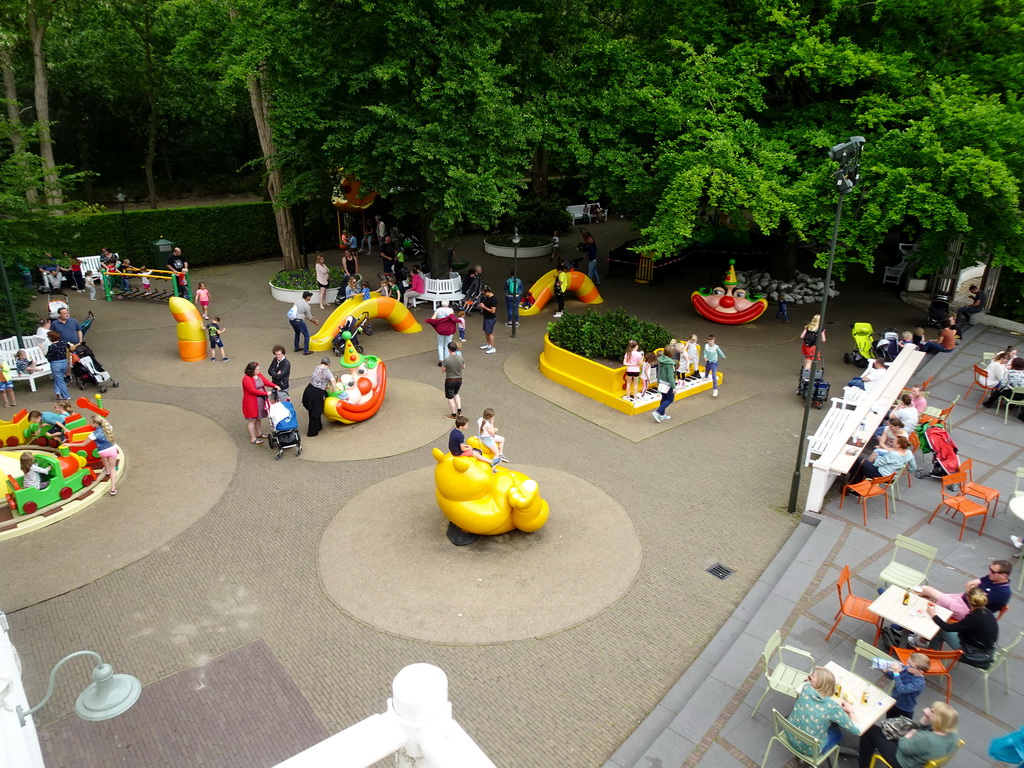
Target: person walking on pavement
<point>712,354</point>
<point>297,316</point>
<point>591,244</point>
<point>489,305</point>
<point>315,394</point>
<point>666,384</point>
<point>513,295</point>
<point>452,367</point>
<point>68,328</point>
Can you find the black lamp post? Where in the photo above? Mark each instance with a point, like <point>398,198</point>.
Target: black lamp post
<point>847,155</point>
<point>121,197</point>
<point>516,239</point>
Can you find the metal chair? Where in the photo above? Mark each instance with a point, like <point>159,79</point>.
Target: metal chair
<point>853,606</point>
<point>869,488</point>
<point>1016,489</point>
<point>783,677</point>
<point>903,575</point>
<point>941,663</point>
<point>938,762</point>
<point>935,417</point>
<point>980,381</point>
<point>864,650</point>
<point>971,488</point>
<point>785,730</point>
<point>1001,659</point>
<point>955,501</point>
<point>1016,398</point>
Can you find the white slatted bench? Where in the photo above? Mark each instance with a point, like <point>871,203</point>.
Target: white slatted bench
<point>835,421</point>
<point>837,452</point>
<point>578,212</point>
<point>442,289</point>
<point>35,354</point>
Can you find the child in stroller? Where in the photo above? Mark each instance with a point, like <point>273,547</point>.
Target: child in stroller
<point>888,346</point>
<point>284,424</point>
<point>354,326</point>
<point>87,370</point>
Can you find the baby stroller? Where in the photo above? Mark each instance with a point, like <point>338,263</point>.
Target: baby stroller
<point>864,338</point>
<point>88,371</point>
<point>474,296</point>
<point>54,305</point>
<point>945,460</point>
<point>888,347</point>
<point>938,311</point>
<point>354,326</point>
<point>819,393</point>
<point>284,432</point>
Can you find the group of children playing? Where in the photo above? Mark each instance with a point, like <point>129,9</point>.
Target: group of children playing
<point>642,368</point>
<point>487,435</point>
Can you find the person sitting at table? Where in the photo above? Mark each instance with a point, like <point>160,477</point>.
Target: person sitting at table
<point>918,399</point>
<point>888,433</point>
<point>905,411</point>
<point>979,629</point>
<point>883,462</point>
<point>935,736</point>
<point>1014,378</point>
<point>995,584</point>
<point>819,715</point>
<point>909,684</point>
<point>873,374</point>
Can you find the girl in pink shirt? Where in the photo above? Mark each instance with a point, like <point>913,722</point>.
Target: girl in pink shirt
<point>633,359</point>
<point>203,297</point>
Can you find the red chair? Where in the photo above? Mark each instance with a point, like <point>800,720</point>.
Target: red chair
<point>971,488</point>
<point>853,606</point>
<point>872,486</point>
<point>941,663</point>
<point>980,379</point>
<point>957,502</point>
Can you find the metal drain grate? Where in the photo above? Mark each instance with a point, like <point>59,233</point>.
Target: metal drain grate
<point>720,571</point>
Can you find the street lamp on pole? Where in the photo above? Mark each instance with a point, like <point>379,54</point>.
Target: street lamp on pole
<point>121,197</point>
<point>516,239</point>
<point>846,177</point>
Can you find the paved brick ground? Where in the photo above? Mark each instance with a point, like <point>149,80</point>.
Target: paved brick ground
<point>709,486</point>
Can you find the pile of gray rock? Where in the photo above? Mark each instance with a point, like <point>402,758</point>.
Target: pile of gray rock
<point>802,289</point>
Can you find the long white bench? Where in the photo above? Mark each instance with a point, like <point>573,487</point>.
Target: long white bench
<point>35,354</point>
<point>578,212</point>
<point>836,451</point>
<point>441,289</point>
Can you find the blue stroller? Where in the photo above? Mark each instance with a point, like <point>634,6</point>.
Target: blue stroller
<point>284,423</point>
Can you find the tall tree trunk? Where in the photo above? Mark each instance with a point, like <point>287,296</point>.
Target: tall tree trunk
<point>153,114</point>
<point>13,115</point>
<point>437,257</point>
<point>259,95</point>
<point>52,192</point>
<point>539,173</point>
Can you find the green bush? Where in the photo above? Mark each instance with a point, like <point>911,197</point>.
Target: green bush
<point>603,336</point>
<point>536,214</point>
<point>305,279</point>
<point>1007,302</point>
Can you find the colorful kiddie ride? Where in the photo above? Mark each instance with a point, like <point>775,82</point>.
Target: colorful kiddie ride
<point>363,381</point>
<point>377,306</point>
<point>483,502</point>
<point>192,341</point>
<point>729,305</point>
<point>543,291</point>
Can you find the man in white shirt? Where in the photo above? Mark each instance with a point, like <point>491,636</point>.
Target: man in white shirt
<point>906,412</point>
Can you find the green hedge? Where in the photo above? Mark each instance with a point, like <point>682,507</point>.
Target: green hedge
<point>595,335</point>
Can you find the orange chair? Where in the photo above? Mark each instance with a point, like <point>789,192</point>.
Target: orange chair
<point>957,502</point>
<point>941,663</point>
<point>980,379</point>
<point>872,486</point>
<point>971,488</point>
<point>853,606</point>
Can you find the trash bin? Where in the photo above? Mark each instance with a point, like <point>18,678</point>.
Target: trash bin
<point>159,250</point>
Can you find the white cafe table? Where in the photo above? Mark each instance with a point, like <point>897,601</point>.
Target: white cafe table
<point>913,616</point>
<point>851,689</point>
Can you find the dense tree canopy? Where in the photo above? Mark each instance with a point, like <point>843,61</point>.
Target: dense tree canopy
<point>446,107</point>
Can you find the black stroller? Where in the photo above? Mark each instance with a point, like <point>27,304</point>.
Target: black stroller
<point>820,390</point>
<point>87,370</point>
<point>888,347</point>
<point>473,295</point>
<point>354,326</point>
<point>284,432</point>
<point>938,311</point>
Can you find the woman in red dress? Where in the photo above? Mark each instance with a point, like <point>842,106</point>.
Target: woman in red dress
<point>255,388</point>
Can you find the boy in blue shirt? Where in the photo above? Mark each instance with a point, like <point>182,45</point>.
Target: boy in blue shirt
<point>909,684</point>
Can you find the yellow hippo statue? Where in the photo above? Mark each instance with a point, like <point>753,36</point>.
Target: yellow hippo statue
<point>485,503</point>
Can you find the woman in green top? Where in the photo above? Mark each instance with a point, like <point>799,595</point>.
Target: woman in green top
<point>936,737</point>
<point>666,382</point>
<point>818,714</point>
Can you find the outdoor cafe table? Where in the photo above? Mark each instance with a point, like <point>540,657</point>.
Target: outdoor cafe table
<point>851,689</point>
<point>913,616</point>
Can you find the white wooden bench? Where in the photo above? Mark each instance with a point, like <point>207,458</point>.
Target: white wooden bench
<point>35,354</point>
<point>441,289</point>
<point>835,421</point>
<point>578,212</point>
<point>90,264</point>
<point>836,444</point>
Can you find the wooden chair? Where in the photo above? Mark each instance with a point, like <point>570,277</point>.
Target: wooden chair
<point>785,732</point>
<point>980,379</point>
<point>1000,659</point>
<point>941,663</point>
<point>971,488</point>
<point>938,762</point>
<point>956,501</point>
<point>901,574</point>
<point>853,606</point>
<point>869,488</point>
<point>863,650</point>
<point>1016,398</point>
<point>783,677</point>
